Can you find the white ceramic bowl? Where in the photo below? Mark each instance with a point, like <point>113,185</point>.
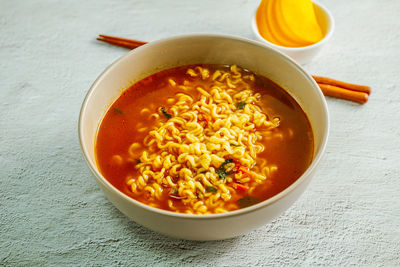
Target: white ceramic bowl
<point>303,55</point>
<point>192,49</point>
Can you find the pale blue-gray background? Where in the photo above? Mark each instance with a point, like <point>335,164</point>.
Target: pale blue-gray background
<point>53,213</point>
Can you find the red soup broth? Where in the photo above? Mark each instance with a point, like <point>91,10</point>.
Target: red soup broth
<point>118,130</point>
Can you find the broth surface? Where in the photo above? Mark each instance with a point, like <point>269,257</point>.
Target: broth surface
<point>288,148</point>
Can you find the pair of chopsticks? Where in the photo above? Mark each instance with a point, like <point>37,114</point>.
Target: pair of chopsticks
<point>330,87</point>
<point>334,88</point>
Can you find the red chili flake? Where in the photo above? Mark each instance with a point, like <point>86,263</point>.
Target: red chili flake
<point>240,187</point>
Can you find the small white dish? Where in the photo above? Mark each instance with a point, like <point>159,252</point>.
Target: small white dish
<point>305,54</point>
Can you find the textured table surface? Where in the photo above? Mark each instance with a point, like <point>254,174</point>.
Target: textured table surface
<point>53,213</point>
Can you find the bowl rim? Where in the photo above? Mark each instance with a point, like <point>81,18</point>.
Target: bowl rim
<point>306,175</point>
<point>321,42</point>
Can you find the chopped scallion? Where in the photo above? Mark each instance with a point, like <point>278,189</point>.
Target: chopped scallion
<point>118,110</point>
<point>221,171</point>
<point>240,105</point>
<point>211,189</point>
<point>165,113</point>
<point>247,201</point>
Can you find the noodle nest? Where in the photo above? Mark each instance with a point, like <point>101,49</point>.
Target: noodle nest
<point>203,148</point>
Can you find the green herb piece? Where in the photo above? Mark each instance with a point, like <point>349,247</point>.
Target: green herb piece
<point>174,191</point>
<point>118,110</point>
<point>240,105</point>
<point>165,113</point>
<point>221,171</point>
<point>234,145</point>
<point>227,161</point>
<point>247,201</point>
<point>211,189</point>
<point>138,161</point>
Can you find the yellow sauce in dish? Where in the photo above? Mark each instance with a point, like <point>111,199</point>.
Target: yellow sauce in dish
<point>289,23</point>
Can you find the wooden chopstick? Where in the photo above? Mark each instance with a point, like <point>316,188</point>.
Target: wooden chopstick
<point>330,87</point>
<point>123,42</point>
<point>120,43</point>
<point>349,86</point>
<point>339,92</point>
<point>122,39</point>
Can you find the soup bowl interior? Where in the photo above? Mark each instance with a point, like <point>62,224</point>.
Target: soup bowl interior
<point>202,49</point>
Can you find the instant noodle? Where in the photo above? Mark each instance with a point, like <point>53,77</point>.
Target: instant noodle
<point>204,139</point>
